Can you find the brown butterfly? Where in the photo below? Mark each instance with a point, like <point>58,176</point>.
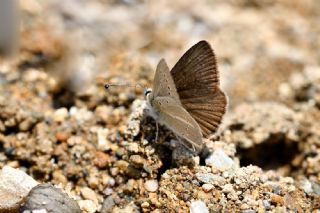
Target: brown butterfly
<point>188,99</point>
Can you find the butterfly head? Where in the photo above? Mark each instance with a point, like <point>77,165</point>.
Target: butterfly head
<point>147,93</point>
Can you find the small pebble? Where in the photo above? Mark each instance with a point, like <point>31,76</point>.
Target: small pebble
<point>133,147</point>
<point>60,115</point>
<point>277,199</point>
<point>101,159</point>
<point>145,205</point>
<point>248,211</point>
<point>103,143</point>
<point>244,206</point>
<point>39,211</point>
<point>137,160</point>
<point>62,136</point>
<point>114,171</point>
<point>107,205</point>
<point>266,205</point>
<point>227,188</point>
<point>151,185</point>
<point>89,194</point>
<point>108,191</point>
<point>210,178</point>
<point>307,187</point>
<point>88,206</point>
<point>207,187</point>
<point>165,176</point>
<point>111,182</point>
<point>198,207</point>
<point>219,160</point>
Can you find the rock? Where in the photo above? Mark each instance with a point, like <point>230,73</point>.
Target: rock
<point>198,207</point>
<point>248,211</point>
<point>107,205</point>
<point>266,205</point>
<point>219,160</point>
<point>244,206</point>
<point>210,178</point>
<point>62,136</point>
<point>53,200</point>
<point>80,114</point>
<point>60,115</point>
<point>207,187</point>
<point>107,191</point>
<point>103,143</point>
<point>133,147</point>
<point>277,199</point>
<point>308,187</point>
<point>228,188</point>
<point>26,124</point>
<point>151,185</point>
<point>101,160</point>
<point>316,189</point>
<point>145,205</point>
<point>14,187</point>
<point>137,161</point>
<point>89,194</point>
<point>88,206</point>
<point>58,177</point>
<point>132,172</point>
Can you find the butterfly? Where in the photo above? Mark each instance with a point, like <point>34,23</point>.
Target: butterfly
<point>188,99</point>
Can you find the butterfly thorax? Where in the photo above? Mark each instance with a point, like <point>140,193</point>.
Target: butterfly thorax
<point>151,111</point>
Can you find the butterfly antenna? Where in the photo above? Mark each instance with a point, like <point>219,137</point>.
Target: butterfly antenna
<point>107,86</point>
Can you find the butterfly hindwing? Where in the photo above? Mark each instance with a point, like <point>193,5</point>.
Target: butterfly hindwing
<point>176,118</point>
<point>197,83</point>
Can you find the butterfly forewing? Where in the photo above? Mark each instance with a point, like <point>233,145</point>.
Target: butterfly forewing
<point>176,118</point>
<point>163,85</point>
<point>197,83</point>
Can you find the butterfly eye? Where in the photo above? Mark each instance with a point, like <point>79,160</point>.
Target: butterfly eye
<point>147,91</point>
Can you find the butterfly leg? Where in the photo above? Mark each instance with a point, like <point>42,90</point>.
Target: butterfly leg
<point>157,131</point>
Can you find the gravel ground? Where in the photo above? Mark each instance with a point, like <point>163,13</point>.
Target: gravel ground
<point>82,143</point>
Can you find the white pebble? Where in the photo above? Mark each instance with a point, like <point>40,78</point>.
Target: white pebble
<point>219,160</point>
<point>207,187</point>
<point>108,191</point>
<point>198,207</point>
<point>151,185</point>
<point>103,143</point>
<point>60,115</point>
<point>87,206</point>
<point>39,211</point>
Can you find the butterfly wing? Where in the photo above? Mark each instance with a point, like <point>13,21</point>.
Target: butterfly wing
<point>197,82</point>
<point>176,118</point>
<point>163,85</point>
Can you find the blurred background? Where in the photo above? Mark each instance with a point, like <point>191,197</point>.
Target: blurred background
<point>259,44</point>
